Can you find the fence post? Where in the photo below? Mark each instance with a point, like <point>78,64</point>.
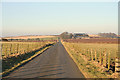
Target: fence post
<point>117,67</point>
<point>88,53</point>
<point>84,52</point>
<point>23,48</point>
<point>100,57</point>
<point>95,56</point>
<point>108,60</point>
<point>91,54</point>
<point>104,59</point>
<point>1,50</point>
<point>10,48</point>
<point>28,48</point>
<point>6,52</point>
<point>17,49</point>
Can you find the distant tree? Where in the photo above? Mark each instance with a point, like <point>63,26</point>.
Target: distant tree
<point>37,39</point>
<point>16,39</point>
<point>10,39</point>
<point>108,35</point>
<point>3,39</point>
<point>28,39</point>
<point>70,35</point>
<point>66,35</point>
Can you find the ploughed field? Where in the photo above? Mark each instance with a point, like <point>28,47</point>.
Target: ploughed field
<point>100,40</point>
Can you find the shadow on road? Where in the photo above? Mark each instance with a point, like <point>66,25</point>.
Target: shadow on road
<point>8,63</point>
<point>40,71</point>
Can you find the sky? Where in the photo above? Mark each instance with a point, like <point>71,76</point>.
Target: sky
<point>52,18</point>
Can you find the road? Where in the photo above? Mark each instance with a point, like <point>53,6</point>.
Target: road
<point>53,63</point>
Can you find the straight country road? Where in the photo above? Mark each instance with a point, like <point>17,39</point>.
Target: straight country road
<point>53,63</point>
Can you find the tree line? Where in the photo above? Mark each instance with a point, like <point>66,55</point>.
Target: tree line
<point>66,35</point>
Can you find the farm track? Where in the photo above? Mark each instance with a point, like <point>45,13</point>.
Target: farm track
<point>53,63</point>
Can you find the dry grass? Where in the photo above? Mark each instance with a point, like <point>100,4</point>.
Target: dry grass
<point>81,56</point>
<point>92,35</point>
<point>26,37</point>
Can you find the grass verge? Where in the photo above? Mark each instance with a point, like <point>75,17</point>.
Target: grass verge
<point>88,69</point>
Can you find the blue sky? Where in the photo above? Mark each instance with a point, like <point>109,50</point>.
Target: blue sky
<point>48,18</point>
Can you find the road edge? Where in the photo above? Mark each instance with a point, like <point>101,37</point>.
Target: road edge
<point>6,73</point>
<point>86,76</point>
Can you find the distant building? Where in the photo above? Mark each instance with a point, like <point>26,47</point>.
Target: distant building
<point>94,36</point>
<point>80,35</point>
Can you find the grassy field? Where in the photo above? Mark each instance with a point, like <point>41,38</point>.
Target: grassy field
<point>94,59</point>
<point>15,54</point>
<point>29,37</point>
<point>10,49</point>
<point>86,48</point>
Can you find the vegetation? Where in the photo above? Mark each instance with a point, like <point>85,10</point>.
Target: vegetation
<point>99,40</point>
<point>97,60</point>
<point>108,35</point>
<point>34,39</point>
<point>66,35</point>
<point>10,49</point>
<point>15,54</point>
<point>80,35</point>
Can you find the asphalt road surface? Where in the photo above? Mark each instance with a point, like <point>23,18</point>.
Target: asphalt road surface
<point>53,63</point>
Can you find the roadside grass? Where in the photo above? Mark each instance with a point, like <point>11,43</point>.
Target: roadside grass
<point>10,64</point>
<point>88,69</point>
